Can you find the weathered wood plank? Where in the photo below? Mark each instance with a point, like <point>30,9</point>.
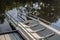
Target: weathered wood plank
<point>2,37</point>
<point>7,37</point>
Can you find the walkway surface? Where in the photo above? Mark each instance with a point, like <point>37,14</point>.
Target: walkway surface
<point>13,35</point>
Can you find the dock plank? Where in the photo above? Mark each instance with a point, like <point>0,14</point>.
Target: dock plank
<point>2,37</point>
<point>7,37</point>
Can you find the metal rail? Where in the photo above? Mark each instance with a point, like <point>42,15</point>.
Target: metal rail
<point>44,20</point>
<point>45,25</point>
<point>21,17</point>
<point>22,25</point>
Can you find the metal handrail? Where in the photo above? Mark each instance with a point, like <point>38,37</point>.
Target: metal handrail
<point>47,26</point>
<point>23,26</point>
<point>40,19</point>
<point>54,30</point>
<point>44,20</point>
<point>21,17</point>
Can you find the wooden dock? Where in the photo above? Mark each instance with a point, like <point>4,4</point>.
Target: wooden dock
<point>10,35</point>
